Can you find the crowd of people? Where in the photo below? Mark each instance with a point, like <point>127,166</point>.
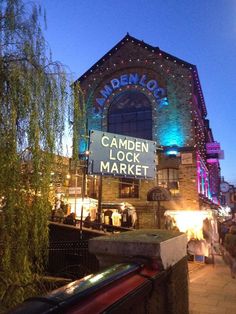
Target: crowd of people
<point>117,217</point>
<point>60,210</point>
<point>125,217</point>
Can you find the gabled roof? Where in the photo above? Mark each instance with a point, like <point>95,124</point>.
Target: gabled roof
<point>153,49</point>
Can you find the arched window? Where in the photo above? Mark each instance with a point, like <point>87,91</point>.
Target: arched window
<point>130,114</point>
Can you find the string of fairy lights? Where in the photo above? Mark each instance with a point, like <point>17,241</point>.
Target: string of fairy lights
<point>166,66</point>
<point>157,54</point>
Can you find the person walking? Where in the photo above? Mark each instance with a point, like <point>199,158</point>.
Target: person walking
<point>230,250</point>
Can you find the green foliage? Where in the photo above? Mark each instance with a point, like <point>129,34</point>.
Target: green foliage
<point>32,110</point>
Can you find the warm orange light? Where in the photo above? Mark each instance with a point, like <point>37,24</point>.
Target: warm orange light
<point>190,221</point>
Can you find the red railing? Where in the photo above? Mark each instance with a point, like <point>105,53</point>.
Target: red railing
<point>118,288</point>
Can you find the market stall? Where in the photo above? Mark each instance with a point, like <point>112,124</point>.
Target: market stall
<point>200,227</point>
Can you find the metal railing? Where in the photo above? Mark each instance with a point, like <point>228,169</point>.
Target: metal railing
<point>66,297</point>
<point>93,224</point>
<point>71,259</point>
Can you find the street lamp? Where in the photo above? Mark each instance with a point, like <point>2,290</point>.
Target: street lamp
<point>84,157</point>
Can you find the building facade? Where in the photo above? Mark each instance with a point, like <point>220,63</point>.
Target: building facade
<point>228,196</point>
<point>141,91</point>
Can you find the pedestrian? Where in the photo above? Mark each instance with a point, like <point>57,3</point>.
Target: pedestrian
<point>70,219</point>
<point>107,217</point>
<point>134,217</point>
<point>230,250</point>
<point>126,218</point>
<point>87,221</point>
<point>223,231</point>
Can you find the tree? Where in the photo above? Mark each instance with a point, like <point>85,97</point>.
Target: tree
<point>32,109</point>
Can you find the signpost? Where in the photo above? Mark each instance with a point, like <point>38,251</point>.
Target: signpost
<point>214,152</point>
<point>120,155</point>
<point>158,194</point>
<point>74,190</point>
<point>213,148</point>
<point>79,169</point>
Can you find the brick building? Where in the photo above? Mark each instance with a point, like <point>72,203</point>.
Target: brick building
<point>141,91</point>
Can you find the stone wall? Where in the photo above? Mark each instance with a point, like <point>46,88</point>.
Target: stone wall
<point>163,293</point>
<point>163,251</point>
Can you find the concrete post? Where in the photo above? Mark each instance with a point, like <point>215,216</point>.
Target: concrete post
<point>161,250</point>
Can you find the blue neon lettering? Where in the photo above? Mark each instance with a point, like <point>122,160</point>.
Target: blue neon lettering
<point>106,92</point>
<point>115,83</point>
<point>142,80</point>
<point>159,92</point>
<point>130,79</point>
<point>151,85</point>
<point>124,80</point>
<point>100,101</point>
<point>133,78</point>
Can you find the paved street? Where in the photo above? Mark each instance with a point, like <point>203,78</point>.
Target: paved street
<point>211,288</point>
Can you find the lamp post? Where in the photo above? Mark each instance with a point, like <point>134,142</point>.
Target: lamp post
<point>100,199</point>
<point>83,195</point>
<point>84,165</point>
<point>76,185</point>
<point>68,176</point>
<point>74,169</point>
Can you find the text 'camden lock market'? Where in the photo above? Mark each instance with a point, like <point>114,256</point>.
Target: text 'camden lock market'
<point>125,156</point>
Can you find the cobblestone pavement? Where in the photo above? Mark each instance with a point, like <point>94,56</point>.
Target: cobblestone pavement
<point>211,288</point>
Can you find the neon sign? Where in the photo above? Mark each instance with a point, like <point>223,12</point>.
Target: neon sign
<point>129,79</point>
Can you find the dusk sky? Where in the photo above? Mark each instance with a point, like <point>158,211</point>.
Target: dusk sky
<point>201,32</point>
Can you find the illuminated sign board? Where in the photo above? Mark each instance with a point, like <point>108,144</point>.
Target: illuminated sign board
<point>213,148</point>
<point>214,152</point>
<point>120,155</point>
<point>131,79</point>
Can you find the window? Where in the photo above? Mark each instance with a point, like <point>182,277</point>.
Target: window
<point>203,178</point>
<point>130,114</point>
<point>169,178</point>
<point>129,188</point>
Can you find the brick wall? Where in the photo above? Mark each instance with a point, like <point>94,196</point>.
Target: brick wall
<point>163,251</point>
<point>172,124</point>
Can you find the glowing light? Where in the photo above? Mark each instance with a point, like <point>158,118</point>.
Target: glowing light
<point>164,102</point>
<point>224,211</point>
<point>190,221</point>
<point>172,152</point>
<point>96,278</point>
<point>86,203</point>
<point>82,145</point>
<point>171,136</point>
<point>70,288</point>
